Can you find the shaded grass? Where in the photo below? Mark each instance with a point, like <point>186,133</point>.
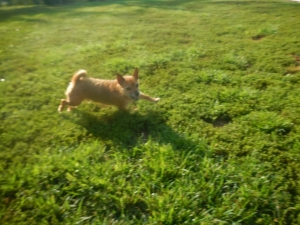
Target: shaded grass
<point>221,147</point>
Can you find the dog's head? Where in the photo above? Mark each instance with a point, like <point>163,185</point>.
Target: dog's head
<point>130,85</point>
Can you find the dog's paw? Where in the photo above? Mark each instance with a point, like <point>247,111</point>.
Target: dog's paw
<point>156,99</point>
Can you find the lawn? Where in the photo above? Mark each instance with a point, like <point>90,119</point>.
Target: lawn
<point>221,147</point>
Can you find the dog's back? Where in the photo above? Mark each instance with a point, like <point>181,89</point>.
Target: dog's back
<point>104,91</point>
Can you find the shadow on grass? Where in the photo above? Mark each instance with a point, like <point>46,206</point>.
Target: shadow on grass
<point>13,12</point>
<point>17,12</point>
<point>128,129</point>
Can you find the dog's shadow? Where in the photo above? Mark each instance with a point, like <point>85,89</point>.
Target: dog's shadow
<point>128,129</point>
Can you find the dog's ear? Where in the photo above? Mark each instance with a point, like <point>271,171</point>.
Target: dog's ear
<point>136,74</point>
<point>120,79</point>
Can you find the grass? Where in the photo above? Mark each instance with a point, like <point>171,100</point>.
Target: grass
<point>221,147</point>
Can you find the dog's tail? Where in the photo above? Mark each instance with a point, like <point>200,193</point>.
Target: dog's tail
<point>77,76</point>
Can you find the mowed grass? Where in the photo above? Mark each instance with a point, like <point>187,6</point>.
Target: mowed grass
<point>221,147</point>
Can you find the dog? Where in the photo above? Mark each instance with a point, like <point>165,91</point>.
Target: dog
<point>119,92</point>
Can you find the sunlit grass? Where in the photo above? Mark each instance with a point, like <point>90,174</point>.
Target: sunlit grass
<point>221,147</point>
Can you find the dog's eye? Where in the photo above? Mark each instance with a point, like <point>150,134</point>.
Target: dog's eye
<point>128,88</point>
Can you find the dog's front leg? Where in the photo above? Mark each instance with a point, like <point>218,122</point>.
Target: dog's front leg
<point>148,98</point>
<point>63,103</point>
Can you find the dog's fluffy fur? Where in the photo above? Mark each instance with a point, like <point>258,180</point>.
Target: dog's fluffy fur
<point>119,92</point>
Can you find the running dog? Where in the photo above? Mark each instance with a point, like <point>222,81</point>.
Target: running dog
<point>119,92</point>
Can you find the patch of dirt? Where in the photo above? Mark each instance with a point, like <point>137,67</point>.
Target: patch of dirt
<point>220,121</point>
<point>258,37</point>
<point>292,70</point>
<point>297,59</point>
<point>296,68</point>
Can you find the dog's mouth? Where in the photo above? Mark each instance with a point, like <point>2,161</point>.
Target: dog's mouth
<point>134,98</point>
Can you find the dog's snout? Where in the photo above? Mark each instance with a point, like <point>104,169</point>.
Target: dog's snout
<point>137,93</point>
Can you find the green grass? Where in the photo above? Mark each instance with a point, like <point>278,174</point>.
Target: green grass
<point>221,147</point>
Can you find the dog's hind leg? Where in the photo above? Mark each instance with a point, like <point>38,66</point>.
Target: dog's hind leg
<point>69,108</point>
<point>148,98</point>
<point>70,104</point>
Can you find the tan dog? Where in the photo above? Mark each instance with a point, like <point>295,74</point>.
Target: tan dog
<point>119,92</point>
